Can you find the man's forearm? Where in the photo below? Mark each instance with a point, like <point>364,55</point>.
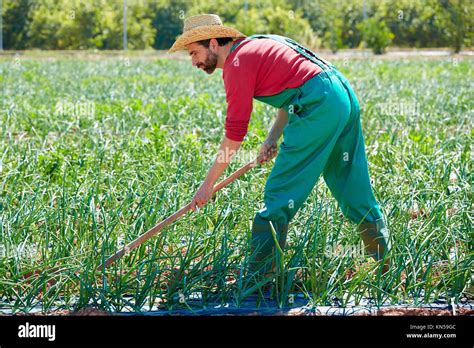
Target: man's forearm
<point>227,150</point>
<point>278,125</point>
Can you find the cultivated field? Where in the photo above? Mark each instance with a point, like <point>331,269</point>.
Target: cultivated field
<point>94,152</point>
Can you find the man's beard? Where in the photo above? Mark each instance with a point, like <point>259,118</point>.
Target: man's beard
<point>210,63</point>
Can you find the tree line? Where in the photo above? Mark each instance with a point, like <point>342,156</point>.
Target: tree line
<point>334,24</point>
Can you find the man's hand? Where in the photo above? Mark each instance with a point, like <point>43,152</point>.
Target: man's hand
<point>202,196</point>
<point>268,150</point>
<point>204,193</point>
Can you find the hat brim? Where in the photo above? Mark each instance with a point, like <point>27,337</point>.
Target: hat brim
<point>204,33</point>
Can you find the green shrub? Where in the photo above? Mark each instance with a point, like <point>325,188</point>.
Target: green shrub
<point>376,34</point>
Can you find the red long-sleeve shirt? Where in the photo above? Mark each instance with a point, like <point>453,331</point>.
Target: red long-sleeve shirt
<point>259,67</point>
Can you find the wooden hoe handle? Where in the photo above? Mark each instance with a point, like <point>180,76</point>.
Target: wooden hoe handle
<point>170,219</point>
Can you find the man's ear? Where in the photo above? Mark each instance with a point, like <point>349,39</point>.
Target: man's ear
<point>213,45</point>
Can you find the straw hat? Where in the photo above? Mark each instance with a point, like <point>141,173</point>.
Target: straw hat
<point>203,27</point>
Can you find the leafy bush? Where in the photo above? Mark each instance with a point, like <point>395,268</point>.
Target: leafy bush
<point>457,22</point>
<point>376,34</point>
<point>264,17</point>
<point>15,23</point>
<point>167,18</point>
<point>289,23</point>
<point>336,24</point>
<point>76,24</point>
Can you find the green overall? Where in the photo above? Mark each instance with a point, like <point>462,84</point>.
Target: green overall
<point>323,135</point>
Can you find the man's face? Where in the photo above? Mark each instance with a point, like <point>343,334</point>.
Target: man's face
<point>202,57</point>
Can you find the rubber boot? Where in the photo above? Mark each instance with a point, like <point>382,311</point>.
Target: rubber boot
<point>263,249</point>
<point>376,240</point>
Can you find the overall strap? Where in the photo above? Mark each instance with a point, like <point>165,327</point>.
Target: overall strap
<point>307,53</point>
<point>237,44</point>
<point>323,64</point>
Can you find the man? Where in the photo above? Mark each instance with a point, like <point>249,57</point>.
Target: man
<point>318,114</point>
